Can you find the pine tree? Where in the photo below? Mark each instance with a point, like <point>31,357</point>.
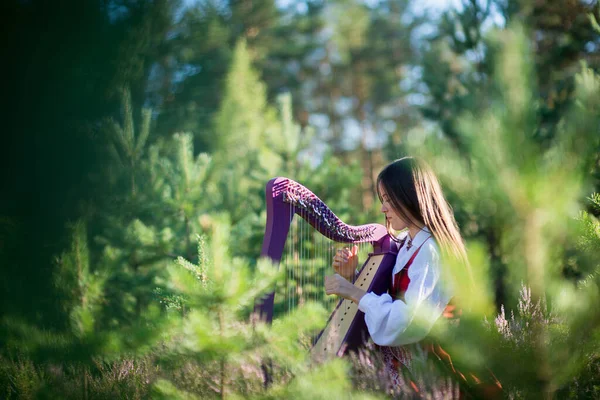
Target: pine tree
<point>128,144</point>
<point>459,65</point>
<point>202,42</point>
<point>289,64</point>
<point>244,120</point>
<point>215,334</point>
<point>79,289</point>
<point>528,195</point>
<point>160,193</point>
<point>220,353</point>
<point>243,127</point>
<point>57,106</point>
<point>129,244</point>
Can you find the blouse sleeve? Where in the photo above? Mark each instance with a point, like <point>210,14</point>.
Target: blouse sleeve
<point>395,323</point>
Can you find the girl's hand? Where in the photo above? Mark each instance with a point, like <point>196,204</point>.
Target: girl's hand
<point>345,262</point>
<point>336,284</point>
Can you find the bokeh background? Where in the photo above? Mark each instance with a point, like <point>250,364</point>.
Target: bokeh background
<point>139,135</point>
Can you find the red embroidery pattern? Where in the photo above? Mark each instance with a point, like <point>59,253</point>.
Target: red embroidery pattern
<point>401,280</point>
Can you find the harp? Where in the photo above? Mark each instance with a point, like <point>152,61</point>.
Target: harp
<point>346,329</point>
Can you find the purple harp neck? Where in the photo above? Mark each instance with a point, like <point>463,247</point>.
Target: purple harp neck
<point>284,198</point>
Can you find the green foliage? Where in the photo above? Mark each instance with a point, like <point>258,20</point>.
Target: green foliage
<point>594,22</point>
<point>127,378</point>
<point>164,389</point>
<point>128,144</point>
<point>20,378</point>
<point>54,147</point>
<point>350,22</point>
<point>244,119</point>
<point>82,290</point>
<point>323,382</point>
<point>215,331</point>
<point>520,154</point>
<point>170,194</point>
<point>516,336</point>
<point>527,195</point>
<point>463,79</point>
<point>456,67</point>
<point>590,236</point>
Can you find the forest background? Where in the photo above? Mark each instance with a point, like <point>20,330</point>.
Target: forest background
<point>140,134</point>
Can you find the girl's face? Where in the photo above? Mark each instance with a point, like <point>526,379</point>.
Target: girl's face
<point>395,220</point>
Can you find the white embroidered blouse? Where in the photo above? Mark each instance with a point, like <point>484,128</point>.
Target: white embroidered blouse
<point>396,323</point>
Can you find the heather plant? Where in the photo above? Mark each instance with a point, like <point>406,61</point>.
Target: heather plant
<point>518,329</point>
<point>425,379</point>
<point>20,378</point>
<point>516,335</point>
<point>129,378</point>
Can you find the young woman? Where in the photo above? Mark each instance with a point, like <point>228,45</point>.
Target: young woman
<point>414,205</point>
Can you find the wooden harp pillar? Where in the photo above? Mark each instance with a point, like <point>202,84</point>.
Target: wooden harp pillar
<point>346,329</point>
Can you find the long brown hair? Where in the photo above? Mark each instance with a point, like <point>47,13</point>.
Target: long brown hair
<point>416,195</point>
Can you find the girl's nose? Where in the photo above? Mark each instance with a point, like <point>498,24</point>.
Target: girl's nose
<point>383,208</point>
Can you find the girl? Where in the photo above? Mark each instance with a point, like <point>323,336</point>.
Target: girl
<point>413,203</point>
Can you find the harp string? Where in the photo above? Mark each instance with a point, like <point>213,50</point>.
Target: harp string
<point>288,282</point>
<point>319,258</point>
<point>307,260</point>
<point>297,257</point>
<point>300,260</point>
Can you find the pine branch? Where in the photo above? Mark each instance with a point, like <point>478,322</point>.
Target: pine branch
<point>128,129</point>
<point>144,132</point>
<point>593,20</point>
<point>191,267</point>
<point>119,136</point>
<point>595,202</point>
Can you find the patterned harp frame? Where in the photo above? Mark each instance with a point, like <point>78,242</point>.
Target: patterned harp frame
<point>346,329</point>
